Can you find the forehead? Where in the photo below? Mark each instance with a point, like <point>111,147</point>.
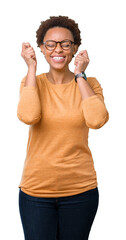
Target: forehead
<point>58,34</point>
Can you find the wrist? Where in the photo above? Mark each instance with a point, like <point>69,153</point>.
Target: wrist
<point>32,68</point>
<point>80,75</point>
<point>77,72</point>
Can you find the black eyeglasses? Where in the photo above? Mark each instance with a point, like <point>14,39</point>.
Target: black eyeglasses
<point>51,44</point>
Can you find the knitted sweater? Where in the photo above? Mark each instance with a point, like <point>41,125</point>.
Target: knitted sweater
<point>58,159</point>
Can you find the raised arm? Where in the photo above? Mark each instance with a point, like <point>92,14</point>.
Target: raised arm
<point>93,106</point>
<point>29,106</point>
<point>94,109</point>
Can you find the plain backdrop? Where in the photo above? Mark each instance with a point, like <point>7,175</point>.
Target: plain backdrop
<point>102,25</point>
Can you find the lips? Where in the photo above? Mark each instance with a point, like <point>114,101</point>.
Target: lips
<point>58,58</point>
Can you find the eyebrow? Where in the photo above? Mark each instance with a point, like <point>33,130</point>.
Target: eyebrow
<point>60,41</point>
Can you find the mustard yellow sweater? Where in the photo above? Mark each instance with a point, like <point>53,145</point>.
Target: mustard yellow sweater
<point>58,160</point>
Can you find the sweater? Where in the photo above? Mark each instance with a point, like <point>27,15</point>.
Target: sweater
<point>58,160</point>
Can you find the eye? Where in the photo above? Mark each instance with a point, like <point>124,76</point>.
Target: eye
<point>50,44</point>
<point>66,44</point>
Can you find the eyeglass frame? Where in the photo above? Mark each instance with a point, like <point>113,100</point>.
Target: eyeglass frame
<point>58,42</point>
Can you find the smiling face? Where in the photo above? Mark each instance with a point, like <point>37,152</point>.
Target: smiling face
<point>58,34</point>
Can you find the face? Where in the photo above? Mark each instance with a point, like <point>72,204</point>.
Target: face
<point>58,34</point>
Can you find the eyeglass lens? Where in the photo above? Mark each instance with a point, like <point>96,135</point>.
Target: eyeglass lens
<point>51,45</point>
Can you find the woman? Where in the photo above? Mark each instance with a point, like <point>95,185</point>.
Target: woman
<point>58,193</point>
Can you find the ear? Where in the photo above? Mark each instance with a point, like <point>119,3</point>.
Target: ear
<point>42,49</point>
<point>75,48</point>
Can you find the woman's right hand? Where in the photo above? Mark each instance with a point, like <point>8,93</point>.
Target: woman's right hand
<point>28,55</point>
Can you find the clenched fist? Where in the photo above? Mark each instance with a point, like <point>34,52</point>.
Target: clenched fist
<point>81,62</point>
<point>28,55</point>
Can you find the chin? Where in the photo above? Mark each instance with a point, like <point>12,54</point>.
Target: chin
<point>58,67</point>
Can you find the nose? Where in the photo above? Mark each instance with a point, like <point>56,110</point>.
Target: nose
<point>58,48</point>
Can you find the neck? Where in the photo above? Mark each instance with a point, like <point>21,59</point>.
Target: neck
<point>59,76</point>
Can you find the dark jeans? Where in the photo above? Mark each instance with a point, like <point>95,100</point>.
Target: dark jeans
<point>62,218</point>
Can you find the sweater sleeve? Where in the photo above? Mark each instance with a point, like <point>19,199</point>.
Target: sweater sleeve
<point>94,109</point>
<point>29,107</point>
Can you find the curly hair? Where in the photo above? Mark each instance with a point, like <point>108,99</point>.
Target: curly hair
<point>58,21</point>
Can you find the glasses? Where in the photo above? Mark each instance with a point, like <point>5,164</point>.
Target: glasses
<point>51,44</point>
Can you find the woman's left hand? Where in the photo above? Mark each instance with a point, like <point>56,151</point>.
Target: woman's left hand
<point>81,62</point>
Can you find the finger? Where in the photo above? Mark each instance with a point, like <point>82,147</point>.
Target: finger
<point>34,57</point>
<point>82,59</point>
<point>31,54</point>
<point>83,53</point>
<point>25,45</point>
<point>78,56</point>
<point>76,60</point>
<point>76,63</point>
<point>29,49</point>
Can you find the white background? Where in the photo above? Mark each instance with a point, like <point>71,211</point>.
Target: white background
<point>102,25</point>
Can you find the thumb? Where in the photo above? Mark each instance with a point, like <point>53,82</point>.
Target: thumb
<point>84,53</point>
<point>81,52</point>
<point>25,45</point>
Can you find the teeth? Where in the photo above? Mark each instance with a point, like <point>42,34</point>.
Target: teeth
<point>58,58</point>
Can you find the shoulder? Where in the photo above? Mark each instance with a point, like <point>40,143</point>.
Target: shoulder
<point>39,77</point>
<point>93,82</point>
